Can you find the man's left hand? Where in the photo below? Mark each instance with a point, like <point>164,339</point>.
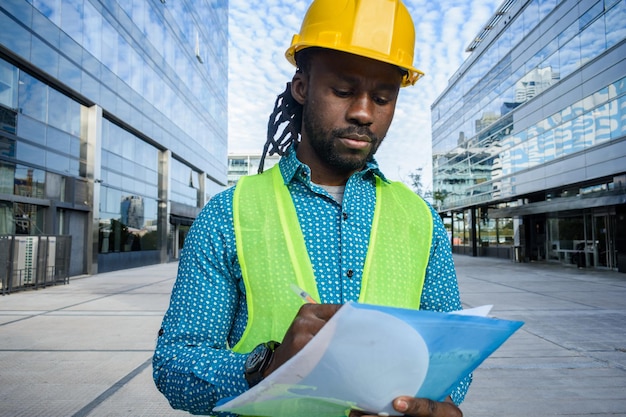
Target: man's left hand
<point>419,407</point>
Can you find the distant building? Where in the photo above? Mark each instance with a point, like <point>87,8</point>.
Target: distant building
<point>529,137</point>
<point>113,124</point>
<point>240,164</point>
<point>132,212</point>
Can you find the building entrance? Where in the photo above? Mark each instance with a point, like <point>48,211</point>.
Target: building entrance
<point>585,240</point>
<point>604,232</point>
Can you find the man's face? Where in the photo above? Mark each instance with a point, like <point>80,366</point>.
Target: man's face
<point>348,105</point>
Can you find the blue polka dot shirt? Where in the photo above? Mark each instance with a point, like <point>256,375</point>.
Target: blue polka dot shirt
<point>193,365</point>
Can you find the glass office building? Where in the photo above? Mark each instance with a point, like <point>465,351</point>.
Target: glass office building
<point>529,137</point>
<point>113,123</point>
<point>240,164</point>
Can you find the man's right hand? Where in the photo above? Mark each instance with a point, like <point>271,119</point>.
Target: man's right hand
<point>309,320</point>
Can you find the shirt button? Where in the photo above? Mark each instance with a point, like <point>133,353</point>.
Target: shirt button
<point>345,215</point>
<point>350,273</point>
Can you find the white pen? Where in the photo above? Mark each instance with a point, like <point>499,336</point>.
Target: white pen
<point>303,294</point>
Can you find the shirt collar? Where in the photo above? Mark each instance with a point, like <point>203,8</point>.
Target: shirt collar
<point>291,167</point>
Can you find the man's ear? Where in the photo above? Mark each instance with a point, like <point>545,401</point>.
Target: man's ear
<point>299,87</point>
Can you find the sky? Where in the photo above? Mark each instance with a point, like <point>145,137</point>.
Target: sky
<point>260,32</point>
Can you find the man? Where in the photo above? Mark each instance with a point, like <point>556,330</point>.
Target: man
<point>325,218</point>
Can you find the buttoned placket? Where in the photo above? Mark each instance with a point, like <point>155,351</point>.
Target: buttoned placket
<point>353,243</point>
<point>353,217</point>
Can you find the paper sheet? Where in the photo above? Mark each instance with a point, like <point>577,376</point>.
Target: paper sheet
<point>366,355</point>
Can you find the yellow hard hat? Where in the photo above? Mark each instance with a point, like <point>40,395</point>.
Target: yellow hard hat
<point>379,29</point>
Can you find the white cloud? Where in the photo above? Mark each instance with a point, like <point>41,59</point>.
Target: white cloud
<point>260,32</point>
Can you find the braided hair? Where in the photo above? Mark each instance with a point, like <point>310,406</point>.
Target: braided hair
<point>286,110</point>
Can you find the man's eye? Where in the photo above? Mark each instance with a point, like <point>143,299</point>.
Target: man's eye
<point>342,93</point>
<point>381,101</point>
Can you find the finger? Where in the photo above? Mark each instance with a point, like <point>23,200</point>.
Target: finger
<point>314,316</point>
<point>322,311</point>
<point>311,318</point>
<point>307,323</point>
<point>424,407</point>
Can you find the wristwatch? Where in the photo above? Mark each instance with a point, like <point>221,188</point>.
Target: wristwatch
<point>258,361</point>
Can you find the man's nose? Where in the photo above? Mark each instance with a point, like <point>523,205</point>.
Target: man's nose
<point>361,110</point>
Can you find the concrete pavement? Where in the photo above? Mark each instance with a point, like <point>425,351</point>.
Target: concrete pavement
<point>569,359</point>
<point>84,349</point>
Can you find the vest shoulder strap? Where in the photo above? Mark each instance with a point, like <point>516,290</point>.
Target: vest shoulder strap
<point>272,254</point>
<point>399,247</point>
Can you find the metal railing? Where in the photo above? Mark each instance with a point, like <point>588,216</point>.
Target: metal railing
<point>32,262</point>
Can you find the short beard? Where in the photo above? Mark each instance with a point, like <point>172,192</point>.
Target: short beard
<point>323,143</point>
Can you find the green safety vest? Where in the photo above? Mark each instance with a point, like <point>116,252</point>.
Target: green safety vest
<point>273,255</point>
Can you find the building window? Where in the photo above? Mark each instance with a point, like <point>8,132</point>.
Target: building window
<point>128,196</point>
<point>185,184</point>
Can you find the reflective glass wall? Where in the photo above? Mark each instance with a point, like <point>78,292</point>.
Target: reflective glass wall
<point>482,130</point>
<point>529,138</point>
<point>41,149</point>
<point>128,201</point>
<point>185,183</point>
<point>167,60</point>
<point>113,122</point>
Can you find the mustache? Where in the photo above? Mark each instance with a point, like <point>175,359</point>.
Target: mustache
<point>356,130</point>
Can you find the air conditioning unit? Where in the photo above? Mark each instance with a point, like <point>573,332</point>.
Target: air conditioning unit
<point>25,260</point>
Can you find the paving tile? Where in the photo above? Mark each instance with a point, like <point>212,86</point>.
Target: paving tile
<point>64,349</point>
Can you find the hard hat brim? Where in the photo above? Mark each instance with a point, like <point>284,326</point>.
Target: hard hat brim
<point>410,78</point>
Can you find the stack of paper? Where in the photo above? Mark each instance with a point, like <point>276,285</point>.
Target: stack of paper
<point>367,355</point>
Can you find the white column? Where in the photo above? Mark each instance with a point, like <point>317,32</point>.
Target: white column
<point>92,132</point>
<point>165,185</point>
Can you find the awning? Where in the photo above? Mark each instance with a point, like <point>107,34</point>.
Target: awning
<point>180,220</point>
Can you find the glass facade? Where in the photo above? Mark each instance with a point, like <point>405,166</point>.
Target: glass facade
<point>128,203</point>
<point>247,164</point>
<point>113,123</point>
<point>185,184</point>
<point>536,114</point>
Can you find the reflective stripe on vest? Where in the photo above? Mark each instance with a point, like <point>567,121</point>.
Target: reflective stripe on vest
<point>273,254</point>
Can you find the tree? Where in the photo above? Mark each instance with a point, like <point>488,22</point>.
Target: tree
<point>439,197</point>
<point>416,184</point>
